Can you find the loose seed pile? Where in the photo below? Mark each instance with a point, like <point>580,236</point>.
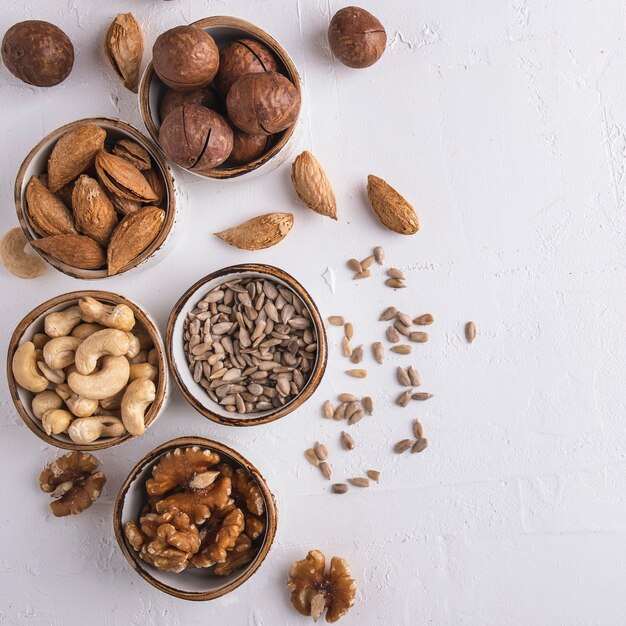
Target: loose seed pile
<point>418,444</point>
<point>250,344</point>
<point>350,408</point>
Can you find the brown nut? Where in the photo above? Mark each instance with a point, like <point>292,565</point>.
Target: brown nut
<point>38,53</point>
<point>196,138</point>
<point>263,104</point>
<point>218,535</point>
<point>356,37</point>
<point>241,57</point>
<point>247,147</point>
<point>185,58</point>
<point>173,99</point>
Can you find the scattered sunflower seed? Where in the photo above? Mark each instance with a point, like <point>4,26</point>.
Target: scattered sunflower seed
<point>368,405</point>
<point>404,318</point>
<point>394,272</point>
<point>347,442</point>
<point>348,397</point>
<point>311,457</point>
<point>336,320</point>
<point>470,331</point>
<point>378,351</point>
<point>348,330</point>
<point>354,265</point>
<point>357,416</point>
<point>402,349</point>
<point>359,482</point>
<point>395,283</point>
<point>373,474</point>
<point>357,373</point>
<point>403,377</point>
<point>339,488</point>
<point>418,429</point>
<point>403,329</point>
<point>418,337</point>
<point>420,395</point>
<point>420,445</point>
<point>404,398</point>
<point>321,451</point>
<point>388,314</point>
<point>340,412</point>
<point>379,255</point>
<point>327,409</point>
<point>346,348</point>
<point>363,274</point>
<point>403,446</point>
<point>414,376</point>
<point>424,320</point>
<point>357,355</point>
<point>325,469</point>
<point>367,262</point>
<point>393,335</point>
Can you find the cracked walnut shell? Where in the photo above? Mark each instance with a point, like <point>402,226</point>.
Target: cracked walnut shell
<point>167,540</point>
<point>72,479</point>
<point>312,590</point>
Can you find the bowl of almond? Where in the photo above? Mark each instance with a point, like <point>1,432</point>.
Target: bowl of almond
<point>195,519</point>
<point>95,198</point>
<point>86,370</point>
<point>246,345</point>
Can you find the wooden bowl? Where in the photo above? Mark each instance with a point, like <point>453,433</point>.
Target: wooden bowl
<point>33,323</point>
<point>193,392</point>
<point>189,584</point>
<point>225,29</point>
<point>35,163</point>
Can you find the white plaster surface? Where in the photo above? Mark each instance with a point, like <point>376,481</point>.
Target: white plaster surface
<point>504,122</point>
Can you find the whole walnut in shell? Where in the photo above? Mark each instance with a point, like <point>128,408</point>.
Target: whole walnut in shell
<point>38,53</point>
<point>263,104</point>
<point>173,99</point>
<point>356,37</point>
<point>185,58</point>
<point>241,57</point>
<point>196,138</point>
<point>247,147</point>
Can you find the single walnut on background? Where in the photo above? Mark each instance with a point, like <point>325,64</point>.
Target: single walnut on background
<point>73,480</point>
<point>312,590</point>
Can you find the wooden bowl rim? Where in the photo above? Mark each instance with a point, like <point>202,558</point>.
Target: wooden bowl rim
<point>226,21</point>
<point>155,153</point>
<point>322,352</point>
<point>69,298</point>
<point>270,507</point>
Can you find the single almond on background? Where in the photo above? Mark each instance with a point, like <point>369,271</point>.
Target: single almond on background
<point>46,213</point>
<point>259,232</point>
<point>75,250</point>
<point>16,259</point>
<point>390,207</point>
<point>123,47</point>
<point>122,178</point>
<point>93,211</point>
<point>312,185</point>
<point>132,236</point>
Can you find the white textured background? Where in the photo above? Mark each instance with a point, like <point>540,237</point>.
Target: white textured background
<point>504,122</point>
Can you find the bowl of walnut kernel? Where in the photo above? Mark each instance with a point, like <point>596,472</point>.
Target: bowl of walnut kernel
<point>195,519</point>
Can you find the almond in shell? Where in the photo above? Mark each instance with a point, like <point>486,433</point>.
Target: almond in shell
<point>259,232</point>
<point>134,153</point>
<point>123,178</point>
<point>46,213</point>
<point>75,250</point>
<point>132,236</point>
<point>93,211</point>
<point>123,47</point>
<point>391,208</point>
<point>312,185</point>
<point>73,153</point>
<point>156,182</point>
<point>124,205</point>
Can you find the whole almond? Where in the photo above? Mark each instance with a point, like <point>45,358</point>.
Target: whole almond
<point>134,153</point>
<point>75,250</point>
<point>93,211</point>
<point>259,232</point>
<point>132,236</point>
<point>122,178</point>
<point>46,213</point>
<point>155,180</point>
<point>123,47</point>
<point>73,153</point>
<point>390,207</point>
<point>312,185</point>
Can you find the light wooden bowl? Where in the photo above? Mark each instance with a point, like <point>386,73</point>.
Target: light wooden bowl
<point>225,29</point>
<point>193,392</point>
<point>33,323</point>
<point>189,584</point>
<point>35,163</point>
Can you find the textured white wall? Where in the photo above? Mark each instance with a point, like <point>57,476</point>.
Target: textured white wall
<point>504,122</point>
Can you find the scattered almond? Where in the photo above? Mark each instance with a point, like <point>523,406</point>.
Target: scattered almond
<point>390,207</point>
<point>123,47</point>
<point>259,232</point>
<point>312,185</point>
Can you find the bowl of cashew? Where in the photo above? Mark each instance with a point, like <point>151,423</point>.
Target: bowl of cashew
<point>86,370</point>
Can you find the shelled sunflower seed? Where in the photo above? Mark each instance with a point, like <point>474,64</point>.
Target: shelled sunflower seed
<point>359,481</point>
<point>311,457</point>
<point>379,255</point>
<point>403,376</point>
<point>470,332</point>
<point>347,442</point>
<point>388,314</point>
<point>414,376</point>
<point>420,445</point>
<point>325,469</point>
<point>336,320</point>
<point>421,396</point>
<point>402,349</point>
<point>328,410</point>
<point>418,336</point>
<point>395,283</point>
<point>394,272</point>
<point>251,344</point>
<point>339,488</point>
<point>378,350</point>
<point>346,348</point>
<point>363,274</point>
<point>357,355</point>
<point>393,336</point>
<point>402,446</point>
<point>402,328</point>
<point>348,330</point>
<point>354,265</point>
<point>424,320</point>
<point>351,408</point>
<point>321,451</point>
<point>404,398</point>
<point>368,405</point>
<point>373,474</point>
<point>418,429</point>
<point>404,319</point>
<point>357,373</point>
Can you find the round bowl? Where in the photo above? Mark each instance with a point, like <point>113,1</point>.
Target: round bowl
<point>189,584</point>
<point>35,163</point>
<point>33,323</point>
<point>225,29</point>
<point>193,392</point>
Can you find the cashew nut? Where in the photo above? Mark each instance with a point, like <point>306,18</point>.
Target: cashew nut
<point>45,401</point>
<point>80,407</point>
<point>134,347</point>
<point>88,429</point>
<point>108,341</point>
<point>82,331</point>
<point>141,357</point>
<point>103,383</point>
<point>153,357</point>
<point>114,402</point>
<point>144,337</point>
<point>25,369</point>
<point>54,376</point>
<point>59,352</point>
<point>120,316</point>
<point>40,340</point>
<point>61,323</point>
<point>138,395</point>
<point>143,370</point>
<point>56,421</point>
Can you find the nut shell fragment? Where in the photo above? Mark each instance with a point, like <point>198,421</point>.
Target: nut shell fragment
<point>259,232</point>
<point>123,47</point>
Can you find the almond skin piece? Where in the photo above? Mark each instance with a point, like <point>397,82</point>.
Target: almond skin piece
<point>47,214</point>
<point>391,208</point>
<point>132,236</point>
<point>312,185</point>
<point>259,232</point>
<point>93,211</point>
<point>123,178</point>
<point>73,153</point>
<point>75,250</point>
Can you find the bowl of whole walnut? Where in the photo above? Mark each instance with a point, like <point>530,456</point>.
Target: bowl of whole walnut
<point>246,345</point>
<point>195,518</point>
<point>95,198</point>
<point>221,97</point>
<point>86,370</point>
